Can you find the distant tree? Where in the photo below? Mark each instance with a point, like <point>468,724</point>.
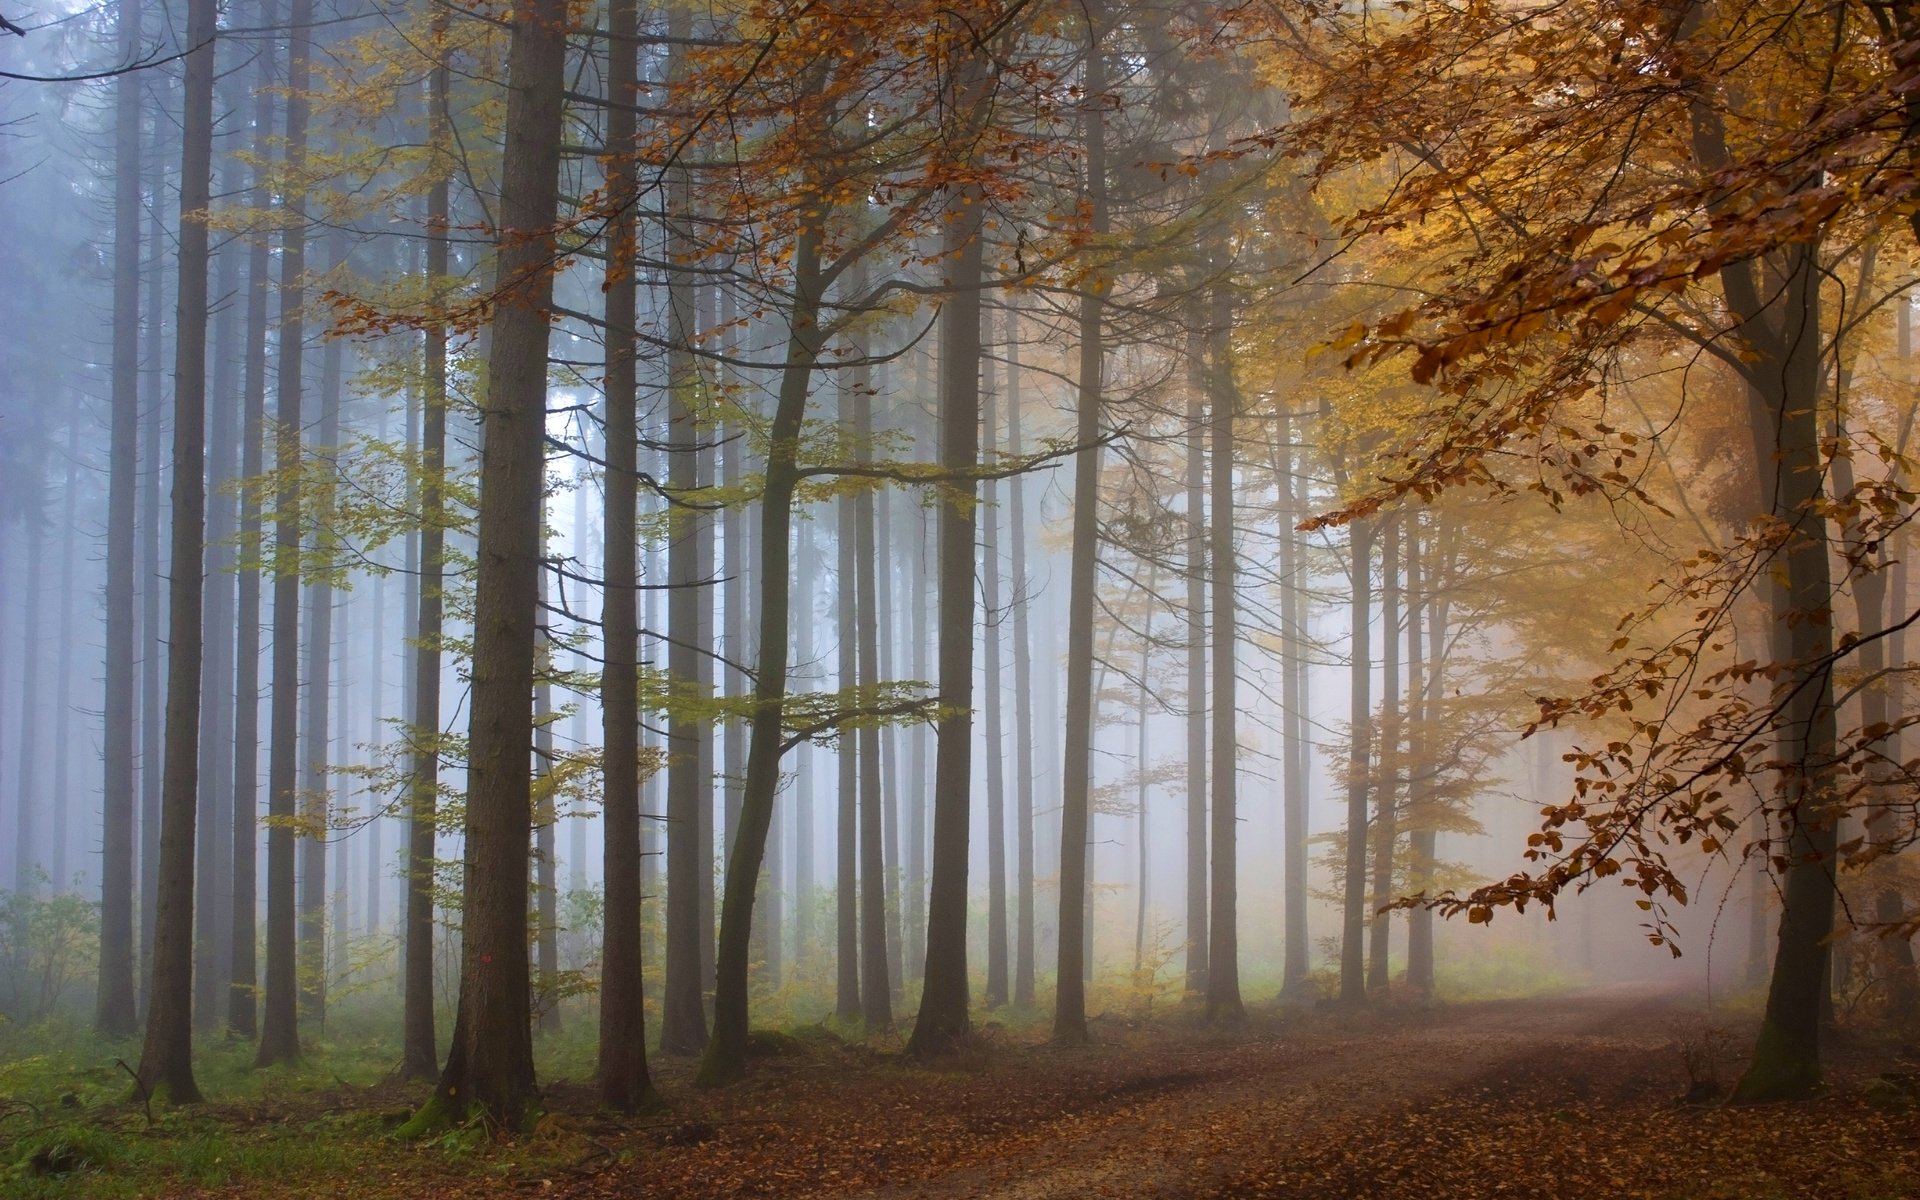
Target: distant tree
<point>166,1056</point>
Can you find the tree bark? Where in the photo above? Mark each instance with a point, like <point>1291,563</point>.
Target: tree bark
<point>494,1068</point>
<point>625,1083</point>
<point>115,1015</point>
<point>420,1054</point>
<point>942,1020</point>
<point>279,1032</point>
<point>683,1016</point>
<point>1070,1004</point>
<point>1223,953</point>
<point>243,976</point>
<point>1023,950</point>
<point>1196,613</point>
<point>995,743</point>
<point>1353,981</point>
<point>876,988</point>
<point>1385,819</point>
<point>726,1054</point>
<point>166,1057</point>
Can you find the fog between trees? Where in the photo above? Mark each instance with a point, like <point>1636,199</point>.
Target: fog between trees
<point>678,520</point>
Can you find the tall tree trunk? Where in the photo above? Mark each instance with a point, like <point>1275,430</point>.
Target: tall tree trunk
<point>545,881</point>
<point>493,1066</point>
<point>1353,980</point>
<point>1070,1002</point>
<point>1420,838</point>
<point>683,1016</point>
<point>114,1009</point>
<point>420,1054</point>
<point>1141,758</point>
<point>942,1019</point>
<point>32,642</point>
<point>919,638</point>
<point>279,1031</point>
<point>1786,1059</point>
<point>59,803</point>
<point>846,891</point>
<point>243,974</point>
<point>213,918</point>
<point>807,585</point>
<point>995,746</point>
<point>1385,821</point>
<point>726,1054</point>
<point>316,783</point>
<point>166,1056</point>
<point>1196,612</point>
<point>153,641</point>
<point>624,1080</point>
<point>1293,701</point>
<point>1223,954</point>
<point>876,987</point>
<point>1023,951</point>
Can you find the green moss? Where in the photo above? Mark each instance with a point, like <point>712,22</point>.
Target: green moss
<point>1782,1069</point>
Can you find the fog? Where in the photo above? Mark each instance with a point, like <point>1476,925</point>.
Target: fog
<point>922,441</point>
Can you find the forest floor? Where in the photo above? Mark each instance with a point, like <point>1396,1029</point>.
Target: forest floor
<point>1573,1096</point>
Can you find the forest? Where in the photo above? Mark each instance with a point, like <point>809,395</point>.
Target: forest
<point>979,598</point>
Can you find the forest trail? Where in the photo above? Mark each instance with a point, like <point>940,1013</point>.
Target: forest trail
<point>1213,1126</point>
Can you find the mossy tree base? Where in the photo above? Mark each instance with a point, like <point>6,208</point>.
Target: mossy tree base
<point>1781,1069</point>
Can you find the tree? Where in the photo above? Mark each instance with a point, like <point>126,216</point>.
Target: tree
<point>280,1030</point>
<point>1223,952</point>
<point>491,1067</point>
<point>942,1019</point>
<point>1070,1007</point>
<point>623,1077</point>
<point>166,1056</point>
<point>114,1014</point>
<point>419,1055</point>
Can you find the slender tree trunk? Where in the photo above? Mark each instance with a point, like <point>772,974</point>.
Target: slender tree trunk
<point>420,1055</point>
<point>919,638</point>
<point>32,642</point>
<point>1223,954</point>
<point>545,881</point>
<point>58,800</point>
<point>1070,1003</point>
<point>1196,570</point>
<point>279,1032</point>
<point>995,747</point>
<point>243,975</point>
<point>726,1054</point>
<point>213,918</point>
<point>115,1015</point>
<point>807,585</point>
<point>876,987</point>
<point>683,1016</point>
<point>1385,820</point>
<point>625,1083</point>
<point>1023,952</point>
<point>1353,981</point>
<point>153,655</point>
<point>1141,762</point>
<point>166,1057</point>
<point>493,1065</point>
<point>316,785</point>
<point>846,895</point>
<point>1420,836</point>
<point>943,1019</point>
<point>1293,702</point>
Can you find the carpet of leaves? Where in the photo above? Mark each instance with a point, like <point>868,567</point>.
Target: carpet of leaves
<point>1524,1099</point>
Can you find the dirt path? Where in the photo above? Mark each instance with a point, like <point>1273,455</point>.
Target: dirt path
<point>1190,1131</point>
